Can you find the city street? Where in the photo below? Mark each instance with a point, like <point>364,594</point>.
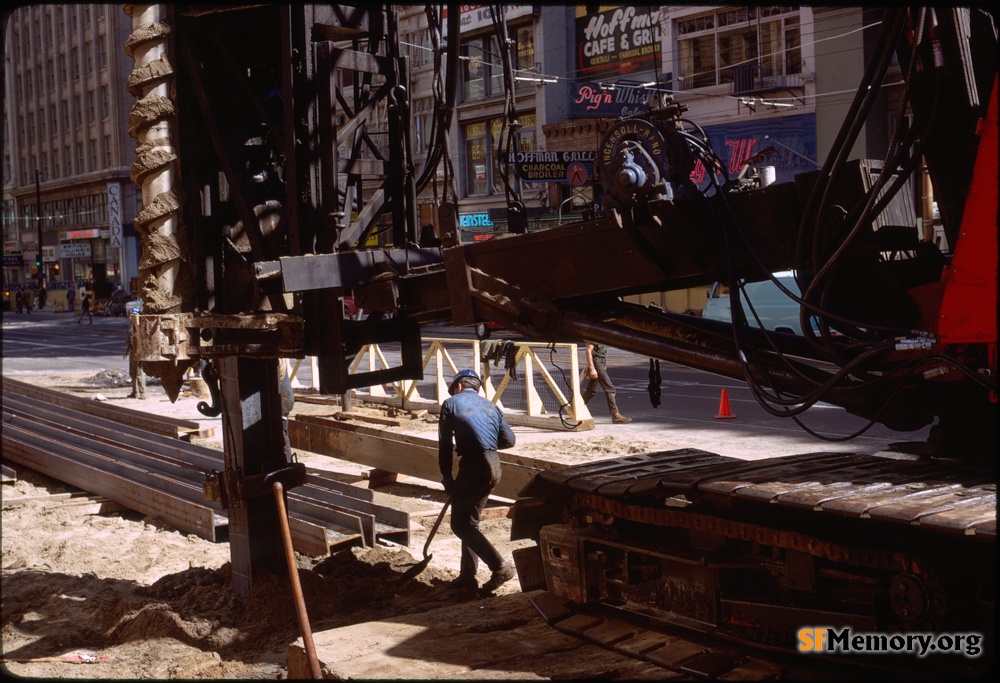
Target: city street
<point>46,342</point>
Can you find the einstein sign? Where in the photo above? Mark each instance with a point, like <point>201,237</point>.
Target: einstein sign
<point>617,41</point>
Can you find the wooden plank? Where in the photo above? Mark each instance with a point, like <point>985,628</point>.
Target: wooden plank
<point>362,417</point>
<point>506,457</point>
<point>402,455</point>
<point>320,400</point>
<point>378,478</point>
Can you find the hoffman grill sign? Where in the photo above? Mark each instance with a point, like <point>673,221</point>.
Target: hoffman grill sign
<point>574,168</point>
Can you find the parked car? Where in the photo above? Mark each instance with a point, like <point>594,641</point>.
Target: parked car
<point>485,330</point>
<point>775,309</point>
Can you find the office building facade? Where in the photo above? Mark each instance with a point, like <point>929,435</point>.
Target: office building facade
<point>68,199</point>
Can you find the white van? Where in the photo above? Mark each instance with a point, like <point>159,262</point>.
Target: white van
<point>776,311</point>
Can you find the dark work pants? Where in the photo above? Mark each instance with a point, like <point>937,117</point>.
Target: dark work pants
<point>477,477</point>
<point>604,381</point>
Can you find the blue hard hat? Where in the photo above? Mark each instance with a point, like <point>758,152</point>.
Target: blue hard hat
<point>463,374</point>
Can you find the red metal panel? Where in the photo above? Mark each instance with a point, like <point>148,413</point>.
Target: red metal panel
<point>969,308</point>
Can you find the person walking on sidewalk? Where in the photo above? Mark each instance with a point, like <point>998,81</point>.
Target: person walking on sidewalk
<point>85,309</point>
<point>71,298</point>
<point>135,372</point>
<point>287,394</point>
<point>479,430</point>
<point>597,374</point>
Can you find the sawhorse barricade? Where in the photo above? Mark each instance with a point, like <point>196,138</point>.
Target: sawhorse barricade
<point>524,388</point>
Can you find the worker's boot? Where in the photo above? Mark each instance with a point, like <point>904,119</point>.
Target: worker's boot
<point>464,583</point>
<point>620,419</point>
<point>500,576</point>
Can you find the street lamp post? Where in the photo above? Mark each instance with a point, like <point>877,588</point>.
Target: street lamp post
<point>40,260</point>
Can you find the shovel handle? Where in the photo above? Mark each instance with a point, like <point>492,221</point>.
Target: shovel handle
<point>293,575</point>
<point>437,523</point>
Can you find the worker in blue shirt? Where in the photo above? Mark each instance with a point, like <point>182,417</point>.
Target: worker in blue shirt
<point>479,430</point>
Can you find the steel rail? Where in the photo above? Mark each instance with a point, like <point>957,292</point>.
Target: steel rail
<point>125,416</point>
<point>178,512</point>
<point>114,456</point>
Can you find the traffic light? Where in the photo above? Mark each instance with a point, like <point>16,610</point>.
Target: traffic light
<point>38,263</point>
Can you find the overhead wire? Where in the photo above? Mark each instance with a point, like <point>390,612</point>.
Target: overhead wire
<point>575,75</point>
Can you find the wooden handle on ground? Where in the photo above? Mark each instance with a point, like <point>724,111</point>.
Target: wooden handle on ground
<point>293,576</point>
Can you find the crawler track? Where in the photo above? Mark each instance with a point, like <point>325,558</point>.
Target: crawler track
<point>750,552</point>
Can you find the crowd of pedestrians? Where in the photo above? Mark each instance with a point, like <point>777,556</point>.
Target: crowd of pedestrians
<point>77,298</point>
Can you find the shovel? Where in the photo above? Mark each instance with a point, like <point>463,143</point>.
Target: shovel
<point>422,565</point>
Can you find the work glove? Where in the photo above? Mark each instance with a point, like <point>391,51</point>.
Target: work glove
<point>449,485</point>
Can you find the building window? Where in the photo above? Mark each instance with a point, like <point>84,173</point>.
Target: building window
<point>105,104</point>
<point>741,44</point>
<point>419,48</point>
<point>524,51</point>
<point>75,61</point>
<point>526,143</point>
<point>423,116</point>
<point>485,143</point>
<point>477,158</point>
<point>482,63</point>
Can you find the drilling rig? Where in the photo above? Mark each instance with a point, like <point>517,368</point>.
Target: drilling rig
<point>263,182</point>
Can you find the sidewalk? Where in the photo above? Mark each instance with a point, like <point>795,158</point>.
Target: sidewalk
<point>643,435</point>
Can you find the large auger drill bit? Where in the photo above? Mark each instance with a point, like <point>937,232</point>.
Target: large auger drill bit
<point>166,284</point>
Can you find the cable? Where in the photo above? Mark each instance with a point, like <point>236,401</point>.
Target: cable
<point>568,424</point>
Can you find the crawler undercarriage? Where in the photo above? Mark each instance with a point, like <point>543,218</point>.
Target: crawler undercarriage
<point>754,551</point>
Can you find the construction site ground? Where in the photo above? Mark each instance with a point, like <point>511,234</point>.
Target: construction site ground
<point>95,592</point>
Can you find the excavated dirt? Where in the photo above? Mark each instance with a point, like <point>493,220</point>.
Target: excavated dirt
<point>95,593</point>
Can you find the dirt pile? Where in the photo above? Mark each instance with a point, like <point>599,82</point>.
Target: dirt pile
<point>92,591</point>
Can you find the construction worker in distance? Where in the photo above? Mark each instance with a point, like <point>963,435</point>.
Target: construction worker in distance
<point>596,374</point>
<point>479,430</point>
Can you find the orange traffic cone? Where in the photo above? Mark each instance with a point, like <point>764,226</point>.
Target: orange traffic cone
<point>724,411</point>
